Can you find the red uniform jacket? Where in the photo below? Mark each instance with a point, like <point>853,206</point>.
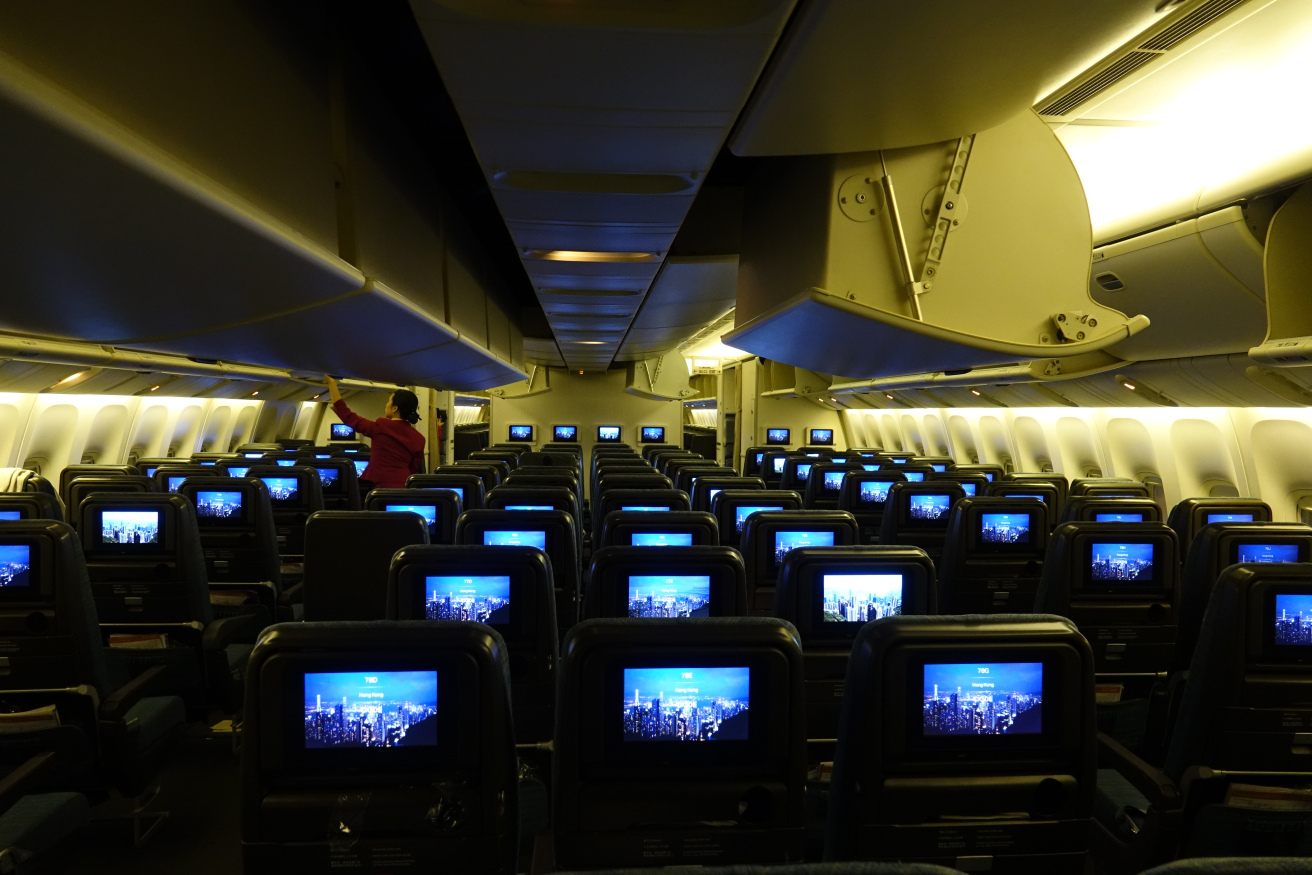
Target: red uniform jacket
<point>397,447</point>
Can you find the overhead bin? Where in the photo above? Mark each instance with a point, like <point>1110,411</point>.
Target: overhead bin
<point>969,253</point>
<point>1199,281</point>
<point>111,240</point>
<point>1288,273</point>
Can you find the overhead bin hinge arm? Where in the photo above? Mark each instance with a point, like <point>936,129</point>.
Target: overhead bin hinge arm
<point>950,211</point>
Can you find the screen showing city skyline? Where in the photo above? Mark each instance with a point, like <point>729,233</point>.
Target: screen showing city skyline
<point>282,488</point>
<point>914,476</point>
<point>930,507</point>
<point>218,505</point>
<point>284,463</point>
<point>1267,553</point>
<point>15,565</point>
<point>129,527</point>
<point>777,435</point>
<point>1004,528</point>
<point>968,488</point>
<point>860,598</point>
<point>175,483</point>
<point>785,541</point>
<point>743,511</point>
<point>653,434</point>
<point>998,698</point>
<point>687,704</point>
<point>803,471</point>
<point>476,599</point>
<point>427,511</point>
<point>360,465</point>
<point>661,539</point>
<point>642,507</point>
<point>656,595</point>
<point>608,432</point>
<point>1229,518</point>
<point>565,432</point>
<point>10,515</point>
<point>779,465</point>
<point>1293,620</point>
<point>833,480</point>
<point>875,491</point>
<point>521,432</point>
<point>1118,518</point>
<point>340,431</point>
<point>370,709</point>
<point>329,477</point>
<point>515,539</point>
<point>1122,562</point>
<point>822,436</point>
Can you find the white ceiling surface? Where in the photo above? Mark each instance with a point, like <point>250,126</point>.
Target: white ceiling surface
<point>190,269</point>
<point>1220,118</point>
<point>858,75</point>
<point>595,124</point>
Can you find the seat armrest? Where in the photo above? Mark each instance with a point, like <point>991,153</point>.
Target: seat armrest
<point>141,686</point>
<point>22,780</point>
<point>292,595</point>
<point>1160,790</point>
<point>229,630</point>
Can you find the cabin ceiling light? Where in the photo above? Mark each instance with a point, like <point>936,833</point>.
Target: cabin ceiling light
<point>154,388</point>
<point>1129,386</point>
<point>888,396</point>
<point>256,392</point>
<point>590,255</point>
<point>70,378</point>
<point>974,392</point>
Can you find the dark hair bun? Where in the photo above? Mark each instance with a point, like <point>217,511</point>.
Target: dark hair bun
<point>407,404</point>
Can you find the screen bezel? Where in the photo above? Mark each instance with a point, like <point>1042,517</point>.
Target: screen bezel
<point>335,427</point>
<point>826,441</point>
<point>557,437</point>
<point>658,439</point>
<point>619,433</point>
<point>510,430</point>
<point>783,441</point>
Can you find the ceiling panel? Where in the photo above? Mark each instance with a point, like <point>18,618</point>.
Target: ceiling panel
<point>690,292</point>
<point>595,124</point>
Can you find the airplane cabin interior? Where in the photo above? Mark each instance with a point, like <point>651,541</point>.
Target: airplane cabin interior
<point>769,437</point>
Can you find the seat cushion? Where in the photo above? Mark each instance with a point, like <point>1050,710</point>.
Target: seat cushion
<point>39,821</point>
<point>158,715</point>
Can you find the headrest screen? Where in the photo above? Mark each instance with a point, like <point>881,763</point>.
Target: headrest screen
<point>930,507</point>
<point>875,491</point>
<point>1122,562</point>
<point>11,515</point>
<point>779,465</point>
<point>1004,528</point>
<point>515,539</point>
<point>860,598</point>
<point>15,565</point>
<point>803,471</point>
<point>237,471</point>
<point>686,595</point>
<point>999,698</point>
<point>938,469</point>
<point>661,539</point>
<point>644,507</point>
<point>968,488</point>
<point>218,506</point>
<point>130,527</point>
<point>1229,518</point>
<point>915,476</point>
<point>427,511</point>
<point>530,507</point>
<point>1267,553</point>
<point>176,482</point>
<point>687,704</point>
<point>834,480</point>
<point>330,478</point>
<point>786,541</point>
<point>283,490</point>
<point>475,599</point>
<point>1293,620</point>
<point>284,463</point>
<point>1118,518</point>
<point>741,513</point>
<point>360,465</point>
<point>370,709</point>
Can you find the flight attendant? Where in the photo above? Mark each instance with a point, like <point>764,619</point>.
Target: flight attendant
<point>397,447</point>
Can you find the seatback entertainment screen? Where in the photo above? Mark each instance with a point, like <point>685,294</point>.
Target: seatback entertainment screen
<point>474,599</point>
<point>521,432</point>
<point>370,709</point>
<point>218,505</point>
<point>860,598</point>
<point>1000,698</point>
<point>608,433</point>
<point>1120,562</point>
<point>786,541</point>
<point>655,595</point>
<point>777,436</point>
<point>661,539</point>
<point>15,565</point>
<point>133,527</point>
<point>708,703</point>
<point>340,431</point>
<point>1293,620</point>
<point>515,539</point>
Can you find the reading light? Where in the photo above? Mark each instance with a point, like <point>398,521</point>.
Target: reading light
<point>1129,386</point>
<point>974,392</point>
<point>587,255</point>
<point>256,392</point>
<point>888,396</point>
<point>587,342</point>
<point>70,378</point>
<point>154,388</point>
<point>316,397</point>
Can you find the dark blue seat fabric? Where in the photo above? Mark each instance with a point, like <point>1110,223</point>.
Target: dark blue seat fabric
<point>36,824</point>
<point>1236,866</point>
